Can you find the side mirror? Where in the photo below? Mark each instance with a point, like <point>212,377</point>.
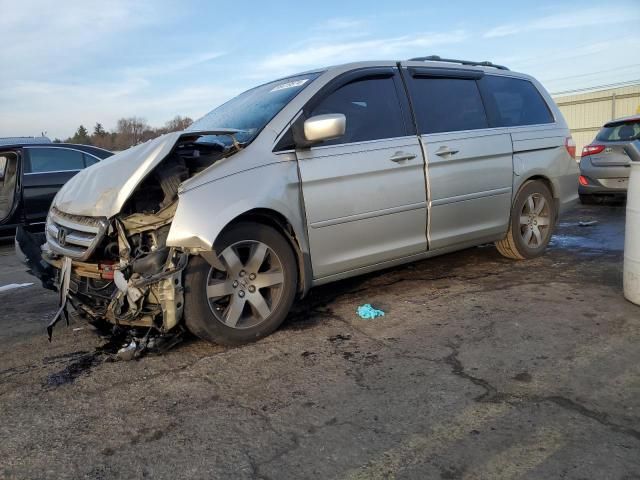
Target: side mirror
<point>325,127</point>
<point>319,128</point>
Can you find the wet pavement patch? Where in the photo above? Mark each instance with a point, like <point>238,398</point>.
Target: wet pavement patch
<point>82,365</point>
<point>339,338</point>
<point>523,377</point>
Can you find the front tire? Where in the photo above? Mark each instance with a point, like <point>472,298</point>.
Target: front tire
<point>247,292</point>
<point>531,224</point>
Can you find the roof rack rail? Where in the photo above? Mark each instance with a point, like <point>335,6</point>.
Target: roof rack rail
<point>436,58</point>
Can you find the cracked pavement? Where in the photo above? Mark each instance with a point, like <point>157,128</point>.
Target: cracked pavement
<point>482,368</point>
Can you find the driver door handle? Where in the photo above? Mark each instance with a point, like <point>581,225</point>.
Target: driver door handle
<point>401,157</point>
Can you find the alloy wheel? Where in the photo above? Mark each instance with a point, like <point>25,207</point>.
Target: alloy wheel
<point>246,284</point>
<point>535,220</point>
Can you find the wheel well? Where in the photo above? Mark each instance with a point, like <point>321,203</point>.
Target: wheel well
<point>544,180</point>
<point>279,222</point>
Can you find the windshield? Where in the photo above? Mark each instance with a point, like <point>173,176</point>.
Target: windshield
<point>621,132</point>
<point>252,110</point>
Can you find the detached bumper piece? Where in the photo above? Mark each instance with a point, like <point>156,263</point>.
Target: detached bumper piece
<point>28,249</point>
<point>65,277</point>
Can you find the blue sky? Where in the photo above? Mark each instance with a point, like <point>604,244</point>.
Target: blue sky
<point>72,62</point>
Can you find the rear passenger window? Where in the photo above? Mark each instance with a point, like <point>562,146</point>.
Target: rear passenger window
<point>513,102</point>
<point>89,160</point>
<point>54,159</point>
<point>371,107</point>
<point>447,105</point>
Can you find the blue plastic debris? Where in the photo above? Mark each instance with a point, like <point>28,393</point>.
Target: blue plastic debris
<point>367,312</point>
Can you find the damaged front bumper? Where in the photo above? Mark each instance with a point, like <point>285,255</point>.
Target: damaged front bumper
<point>119,271</point>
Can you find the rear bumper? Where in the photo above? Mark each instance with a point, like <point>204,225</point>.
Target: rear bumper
<point>595,188</point>
<point>566,192</point>
<point>612,180</point>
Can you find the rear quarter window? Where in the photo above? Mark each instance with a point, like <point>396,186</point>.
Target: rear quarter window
<point>513,102</point>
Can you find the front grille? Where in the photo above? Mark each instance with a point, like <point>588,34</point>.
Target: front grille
<point>74,236</point>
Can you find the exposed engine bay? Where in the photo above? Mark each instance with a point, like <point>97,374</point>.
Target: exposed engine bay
<point>119,270</point>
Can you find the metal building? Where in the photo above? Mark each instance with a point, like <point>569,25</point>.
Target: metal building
<point>587,112</point>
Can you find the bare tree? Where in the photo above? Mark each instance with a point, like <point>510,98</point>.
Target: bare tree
<point>177,124</point>
<point>130,132</point>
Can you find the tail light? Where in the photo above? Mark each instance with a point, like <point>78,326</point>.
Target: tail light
<point>583,180</point>
<point>570,145</point>
<point>591,150</point>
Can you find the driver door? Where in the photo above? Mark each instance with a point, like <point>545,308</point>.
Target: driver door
<point>364,193</point>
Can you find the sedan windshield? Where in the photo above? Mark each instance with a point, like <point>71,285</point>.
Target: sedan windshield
<point>252,110</point>
<point>620,132</point>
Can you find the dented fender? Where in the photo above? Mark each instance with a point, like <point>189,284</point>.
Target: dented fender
<point>204,211</point>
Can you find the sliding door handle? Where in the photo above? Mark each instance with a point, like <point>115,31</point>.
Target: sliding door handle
<point>446,151</point>
<point>401,157</point>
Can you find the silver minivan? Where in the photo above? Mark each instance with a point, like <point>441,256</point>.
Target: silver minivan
<point>306,180</point>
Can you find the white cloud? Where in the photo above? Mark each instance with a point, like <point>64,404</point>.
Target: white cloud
<point>322,53</point>
<point>183,62</point>
<point>342,23</point>
<point>44,35</point>
<point>568,19</point>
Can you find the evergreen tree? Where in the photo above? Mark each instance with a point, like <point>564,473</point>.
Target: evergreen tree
<point>98,130</point>
<point>81,136</point>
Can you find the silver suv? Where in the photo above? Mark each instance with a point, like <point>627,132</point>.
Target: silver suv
<point>307,180</point>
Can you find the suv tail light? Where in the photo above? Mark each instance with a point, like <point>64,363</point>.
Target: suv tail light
<point>570,145</point>
<point>591,150</point>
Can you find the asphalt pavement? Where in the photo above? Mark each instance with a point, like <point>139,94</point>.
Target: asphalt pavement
<point>481,368</point>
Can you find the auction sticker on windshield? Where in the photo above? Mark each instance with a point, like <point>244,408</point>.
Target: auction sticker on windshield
<point>295,83</point>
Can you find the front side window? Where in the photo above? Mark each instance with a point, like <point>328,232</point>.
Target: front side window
<point>252,110</point>
<point>514,102</point>
<point>447,105</point>
<point>54,159</point>
<point>371,108</point>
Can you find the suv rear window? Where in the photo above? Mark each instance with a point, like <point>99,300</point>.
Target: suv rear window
<point>447,105</point>
<point>513,102</point>
<point>622,131</point>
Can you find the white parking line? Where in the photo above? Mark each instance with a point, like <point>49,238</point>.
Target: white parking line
<point>11,286</point>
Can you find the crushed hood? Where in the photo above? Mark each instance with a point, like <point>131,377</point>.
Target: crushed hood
<point>102,189</point>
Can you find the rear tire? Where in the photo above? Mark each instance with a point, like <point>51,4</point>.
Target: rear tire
<point>248,293</point>
<point>531,224</point>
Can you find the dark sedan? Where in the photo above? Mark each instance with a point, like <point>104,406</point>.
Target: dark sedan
<point>30,176</point>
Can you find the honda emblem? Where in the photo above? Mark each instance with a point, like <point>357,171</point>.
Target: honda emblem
<point>62,236</point>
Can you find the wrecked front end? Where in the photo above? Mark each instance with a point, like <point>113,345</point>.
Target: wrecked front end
<point>120,269</point>
<point>116,268</point>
